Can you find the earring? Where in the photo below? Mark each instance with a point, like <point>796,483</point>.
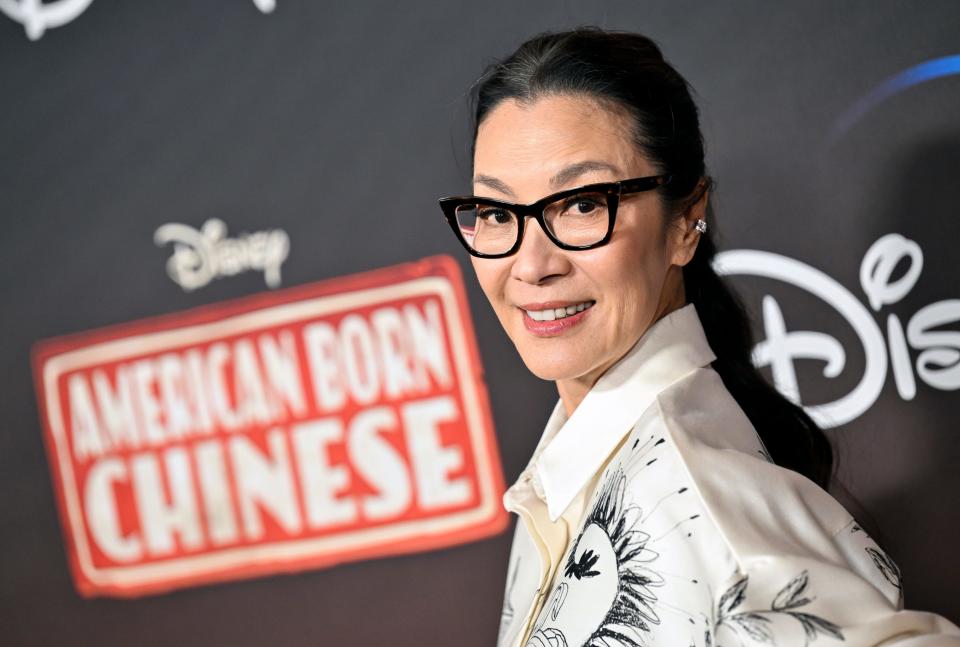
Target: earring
<point>700,225</point>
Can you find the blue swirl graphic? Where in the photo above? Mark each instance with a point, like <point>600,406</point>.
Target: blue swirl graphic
<point>920,73</point>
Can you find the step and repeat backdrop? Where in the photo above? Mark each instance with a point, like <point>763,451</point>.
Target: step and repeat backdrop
<point>252,393</point>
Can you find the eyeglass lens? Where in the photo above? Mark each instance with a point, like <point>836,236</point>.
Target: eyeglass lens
<point>578,220</point>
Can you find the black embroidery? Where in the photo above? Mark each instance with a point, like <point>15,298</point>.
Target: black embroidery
<point>756,624</point>
<point>886,566</point>
<point>616,531</point>
<point>581,569</point>
<point>633,607</point>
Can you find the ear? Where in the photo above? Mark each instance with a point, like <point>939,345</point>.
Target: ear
<point>686,236</point>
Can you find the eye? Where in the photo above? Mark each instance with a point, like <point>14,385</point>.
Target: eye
<point>494,215</point>
<point>583,567</point>
<point>582,205</point>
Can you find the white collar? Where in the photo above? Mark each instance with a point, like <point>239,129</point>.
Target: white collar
<point>572,450</point>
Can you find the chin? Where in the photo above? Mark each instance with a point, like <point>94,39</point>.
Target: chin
<point>553,368</point>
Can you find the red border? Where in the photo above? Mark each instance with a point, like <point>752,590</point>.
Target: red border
<point>440,265</point>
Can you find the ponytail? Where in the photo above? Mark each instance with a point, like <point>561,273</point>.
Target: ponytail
<point>791,437</point>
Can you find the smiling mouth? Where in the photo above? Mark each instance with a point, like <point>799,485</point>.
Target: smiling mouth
<point>552,314</point>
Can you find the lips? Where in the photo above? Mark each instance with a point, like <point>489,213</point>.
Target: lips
<point>552,318</point>
<point>550,310</point>
<point>558,312</point>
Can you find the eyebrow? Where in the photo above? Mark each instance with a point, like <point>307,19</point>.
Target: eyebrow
<point>564,175</point>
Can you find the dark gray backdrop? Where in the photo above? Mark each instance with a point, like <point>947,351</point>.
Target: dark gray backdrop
<point>341,124</point>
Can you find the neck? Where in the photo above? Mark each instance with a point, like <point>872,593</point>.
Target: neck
<point>572,392</point>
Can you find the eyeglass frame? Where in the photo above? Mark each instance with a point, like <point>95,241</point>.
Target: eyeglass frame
<point>535,210</point>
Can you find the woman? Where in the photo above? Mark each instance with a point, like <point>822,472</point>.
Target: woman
<point>674,498</point>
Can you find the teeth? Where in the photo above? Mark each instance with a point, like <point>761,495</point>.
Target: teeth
<point>558,313</point>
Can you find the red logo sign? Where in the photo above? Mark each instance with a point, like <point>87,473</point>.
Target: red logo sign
<point>331,422</point>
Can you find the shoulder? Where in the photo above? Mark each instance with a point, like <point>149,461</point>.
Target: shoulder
<point>759,506</point>
<point>767,514</point>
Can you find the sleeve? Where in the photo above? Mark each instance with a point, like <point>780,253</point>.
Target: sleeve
<point>804,573</point>
<point>786,600</point>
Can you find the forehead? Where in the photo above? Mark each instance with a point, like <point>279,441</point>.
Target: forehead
<point>528,142</point>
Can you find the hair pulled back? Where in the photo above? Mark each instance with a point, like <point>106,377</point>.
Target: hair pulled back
<point>627,70</point>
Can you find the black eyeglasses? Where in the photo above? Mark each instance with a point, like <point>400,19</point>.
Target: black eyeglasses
<point>580,218</point>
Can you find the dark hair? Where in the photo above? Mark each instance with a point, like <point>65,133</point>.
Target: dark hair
<point>627,71</point>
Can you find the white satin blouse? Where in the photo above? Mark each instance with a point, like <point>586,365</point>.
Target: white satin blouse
<point>653,516</point>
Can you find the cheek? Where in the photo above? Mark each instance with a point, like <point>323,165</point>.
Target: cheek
<point>648,272</point>
<point>632,273</point>
<point>631,281</point>
<point>491,275</point>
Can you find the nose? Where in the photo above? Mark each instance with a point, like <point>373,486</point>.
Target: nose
<point>538,259</point>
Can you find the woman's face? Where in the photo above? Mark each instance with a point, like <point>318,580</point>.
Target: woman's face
<point>625,285</point>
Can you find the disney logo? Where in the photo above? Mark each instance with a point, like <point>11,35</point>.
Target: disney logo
<point>37,16</point>
<point>938,361</point>
<point>199,256</point>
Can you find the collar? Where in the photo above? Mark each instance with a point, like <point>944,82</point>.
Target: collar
<point>573,450</point>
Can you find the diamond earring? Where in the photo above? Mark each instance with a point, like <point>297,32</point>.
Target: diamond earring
<point>700,225</point>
